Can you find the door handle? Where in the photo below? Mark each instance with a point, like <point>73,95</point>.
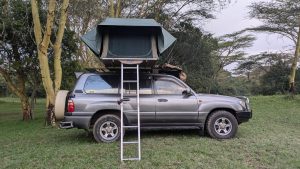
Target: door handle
<point>162,100</point>
<point>123,100</point>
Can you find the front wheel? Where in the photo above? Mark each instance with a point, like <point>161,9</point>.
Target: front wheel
<point>107,128</point>
<point>221,125</point>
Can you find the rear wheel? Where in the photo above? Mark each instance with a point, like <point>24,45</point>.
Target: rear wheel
<point>107,128</point>
<point>221,125</point>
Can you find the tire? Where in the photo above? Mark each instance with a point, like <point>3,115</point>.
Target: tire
<point>60,104</point>
<point>221,125</point>
<point>107,128</point>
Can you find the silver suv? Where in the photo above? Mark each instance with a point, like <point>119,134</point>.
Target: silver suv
<point>165,102</point>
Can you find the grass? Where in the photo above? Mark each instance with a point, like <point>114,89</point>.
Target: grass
<point>270,140</point>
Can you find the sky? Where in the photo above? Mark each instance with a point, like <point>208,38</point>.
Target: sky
<point>235,17</point>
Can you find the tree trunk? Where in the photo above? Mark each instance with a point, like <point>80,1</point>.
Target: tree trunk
<point>118,10</point>
<point>18,89</point>
<point>111,8</point>
<point>26,109</point>
<point>294,65</point>
<point>57,46</point>
<point>33,99</point>
<point>42,42</point>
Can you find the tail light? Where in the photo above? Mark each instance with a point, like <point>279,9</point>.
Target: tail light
<point>71,106</point>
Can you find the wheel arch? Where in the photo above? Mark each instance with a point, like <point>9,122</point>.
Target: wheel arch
<point>232,111</point>
<point>103,112</point>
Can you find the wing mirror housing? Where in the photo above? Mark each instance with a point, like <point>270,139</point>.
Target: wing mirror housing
<point>187,92</point>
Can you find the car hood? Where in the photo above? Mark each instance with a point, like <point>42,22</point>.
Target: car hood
<point>213,97</point>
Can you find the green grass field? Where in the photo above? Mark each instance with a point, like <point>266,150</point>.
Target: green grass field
<point>270,140</point>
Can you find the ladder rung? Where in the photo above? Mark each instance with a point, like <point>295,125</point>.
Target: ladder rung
<point>129,67</point>
<point>130,81</point>
<point>130,142</point>
<point>125,96</point>
<point>130,126</point>
<point>131,158</point>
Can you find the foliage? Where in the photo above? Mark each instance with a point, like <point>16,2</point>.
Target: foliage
<point>275,80</point>
<point>269,140</point>
<point>192,52</point>
<point>231,48</point>
<point>17,51</point>
<point>285,24</point>
<point>281,17</point>
<point>17,46</point>
<point>267,73</point>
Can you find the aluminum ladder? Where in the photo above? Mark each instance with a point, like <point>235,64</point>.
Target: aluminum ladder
<point>124,99</point>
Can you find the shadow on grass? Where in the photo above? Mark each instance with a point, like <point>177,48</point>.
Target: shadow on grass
<point>87,137</point>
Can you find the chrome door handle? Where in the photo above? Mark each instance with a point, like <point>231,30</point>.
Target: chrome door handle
<point>162,100</point>
<point>123,100</point>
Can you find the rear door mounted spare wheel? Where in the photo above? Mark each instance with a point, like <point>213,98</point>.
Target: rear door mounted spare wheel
<point>60,104</point>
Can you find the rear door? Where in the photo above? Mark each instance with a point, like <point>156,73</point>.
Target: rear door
<point>147,102</point>
<point>172,107</point>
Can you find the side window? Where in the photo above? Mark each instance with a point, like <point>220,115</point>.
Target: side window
<point>101,84</point>
<point>145,87</point>
<point>164,86</point>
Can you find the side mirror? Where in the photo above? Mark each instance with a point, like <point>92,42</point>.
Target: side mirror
<point>187,92</point>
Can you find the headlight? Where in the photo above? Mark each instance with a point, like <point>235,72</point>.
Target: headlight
<point>248,104</point>
<point>243,103</point>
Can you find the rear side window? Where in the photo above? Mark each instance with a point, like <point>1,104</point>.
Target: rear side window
<point>101,84</point>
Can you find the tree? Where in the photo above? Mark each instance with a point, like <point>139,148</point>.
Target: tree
<point>267,72</point>
<point>83,15</point>
<point>193,52</point>
<point>281,17</point>
<point>17,52</point>
<point>230,49</point>
<point>43,40</point>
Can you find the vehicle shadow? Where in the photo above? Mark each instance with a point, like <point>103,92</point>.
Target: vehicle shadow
<point>149,133</point>
<point>87,137</point>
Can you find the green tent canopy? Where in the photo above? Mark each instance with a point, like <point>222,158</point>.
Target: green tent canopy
<point>128,39</point>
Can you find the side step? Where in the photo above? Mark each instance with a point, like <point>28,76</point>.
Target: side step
<point>66,125</point>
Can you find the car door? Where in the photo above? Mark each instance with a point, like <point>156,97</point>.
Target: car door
<point>171,105</point>
<point>147,102</point>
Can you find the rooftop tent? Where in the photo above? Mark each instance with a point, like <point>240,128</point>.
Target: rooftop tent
<point>128,39</point>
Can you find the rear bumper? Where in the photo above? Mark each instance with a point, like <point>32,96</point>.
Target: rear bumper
<point>81,122</point>
<point>244,116</point>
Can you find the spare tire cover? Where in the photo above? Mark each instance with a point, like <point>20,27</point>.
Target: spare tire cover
<point>60,103</point>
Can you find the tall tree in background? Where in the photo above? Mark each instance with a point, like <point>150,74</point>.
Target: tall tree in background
<point>230,49</point>
<point>43,41</point>
<point>82,16</point>
<point>193,52</point>
<point>18,52</point>
<point>281,17</point>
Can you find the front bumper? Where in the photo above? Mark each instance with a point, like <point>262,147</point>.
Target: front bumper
<point>244,116</point>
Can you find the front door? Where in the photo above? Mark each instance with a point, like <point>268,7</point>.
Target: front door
<point>172,107</point>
